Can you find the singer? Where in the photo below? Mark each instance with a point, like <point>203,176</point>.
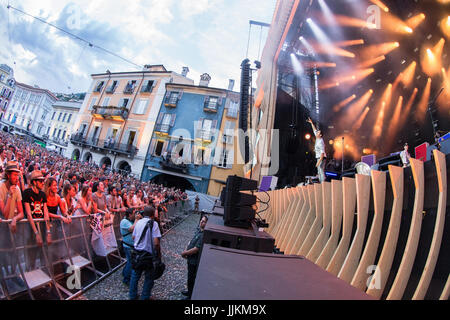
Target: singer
<point>319,149</point>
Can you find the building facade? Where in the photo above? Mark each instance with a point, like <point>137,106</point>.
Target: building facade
<point>183,151</point>
<point>63,117</point>
<point>30,110</point>
<point>7,86</point>
<point>228,159</point>
<point>117,116</point>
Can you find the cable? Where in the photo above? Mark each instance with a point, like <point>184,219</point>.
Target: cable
<point>74,36</point>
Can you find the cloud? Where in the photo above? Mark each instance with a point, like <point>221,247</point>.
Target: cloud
<point>205,35</point>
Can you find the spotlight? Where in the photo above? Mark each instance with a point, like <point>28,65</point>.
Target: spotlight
<point>309,20</point>
<point>258,64</point>
<point>307,136</point>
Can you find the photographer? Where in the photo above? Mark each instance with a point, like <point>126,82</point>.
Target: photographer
<point>127,226</point>
<point>145,244</point>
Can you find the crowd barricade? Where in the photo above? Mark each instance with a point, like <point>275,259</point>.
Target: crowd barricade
<point>385,233</point>
<point>62,270</point>
<point>176,212</point>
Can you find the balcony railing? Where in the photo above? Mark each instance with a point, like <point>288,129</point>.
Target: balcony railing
<point>103,145</point>
<point>60,142</point>
<point>110,112</point>
<point>163,128</point>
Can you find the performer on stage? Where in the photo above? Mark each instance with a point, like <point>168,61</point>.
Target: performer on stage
<point>319,149</point>
<point>405,156</point>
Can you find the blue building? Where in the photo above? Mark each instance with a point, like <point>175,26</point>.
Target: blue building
<point>181,152</point>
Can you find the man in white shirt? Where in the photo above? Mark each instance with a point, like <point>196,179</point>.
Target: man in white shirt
<point>319,149</point>
<point>145,244</point>
<point>405,156</point>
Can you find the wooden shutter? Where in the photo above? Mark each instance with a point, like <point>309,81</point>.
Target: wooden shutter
<point>217,155</point>
<point>152,146</point>
<point>144,103</point>
<point>172,121</point>
<point>207,156</point>
<point>167,96</point>
<point>206,102</point>
<point>180,94</point>
<point>230,158</point>
<point>160,117</point>
<point>219,101</point>
<point>153,85</point>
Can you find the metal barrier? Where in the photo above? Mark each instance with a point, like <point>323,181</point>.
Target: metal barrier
<point>176,212</point>
<point>60,270</point>
<point>77,259</point>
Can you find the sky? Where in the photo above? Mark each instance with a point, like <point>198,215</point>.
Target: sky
<point>208,36</point>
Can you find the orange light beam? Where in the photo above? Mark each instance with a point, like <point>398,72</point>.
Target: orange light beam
<point>348,43</point>
<point>413,22</point>
<point>408,74</point>
<point>422,106</point>
<point>381,5</point>
<point>394,125</point>
<point>343,103</point>
<point>407,109</point>
<point>377,129</point>
<point>361,119</point>
<point>431,59</point>
<point>376,50</point>
<point>445,26</point>
<point>353,22</point>
<point>371,62</point>
<point>355,108</point>
<point>332,50</point>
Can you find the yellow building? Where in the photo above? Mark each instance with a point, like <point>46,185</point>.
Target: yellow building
<point>118,116</point>
<point>227,159</point>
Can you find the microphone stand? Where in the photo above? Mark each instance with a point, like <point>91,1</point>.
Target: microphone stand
<point>343,149</point>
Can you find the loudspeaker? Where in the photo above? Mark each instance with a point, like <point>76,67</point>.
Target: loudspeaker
<point>238,207</point>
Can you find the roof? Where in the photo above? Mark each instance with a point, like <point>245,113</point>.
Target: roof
<point>6,68</point>
<point>26,86</point>
<point>137,72</point>
<point>199,87</point>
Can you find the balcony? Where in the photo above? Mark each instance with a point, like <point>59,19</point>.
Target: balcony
<point>110,113</point>
<point>168,164</point>
<point>162,128</point>
<point>59,141</point>
<point>103,146</point>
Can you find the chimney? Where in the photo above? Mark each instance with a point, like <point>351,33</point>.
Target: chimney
<point>185,71</point>
<point>231,85</point>
<point>204,80</point>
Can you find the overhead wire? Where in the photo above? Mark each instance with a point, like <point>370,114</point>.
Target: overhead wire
<point>73,35</point>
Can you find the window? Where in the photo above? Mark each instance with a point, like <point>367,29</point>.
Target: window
<point>173,98</point>
<point>93,102</point>
<point>123,103</point>
<point>199,159</point>
<point>70,117</point>
<point>53,116</point>
<point>54,133</point>
<point>106,102</point>
<point>166,122</point>
<point>59,133</point>
<point>64,118</point>
<point>224,158</point>
<point>233,109</point>
<point>211,103</point>
<point>112,88</point>
<point>48,130</point>
<point>141,106</point>
<point>228,132</point>
<point>59,117</point>
<point>99,86</point>
<point>206,129</point>
<point>64,135</point>
<point>148,86</point>
<point>159,147</point>
<point>130,86</point>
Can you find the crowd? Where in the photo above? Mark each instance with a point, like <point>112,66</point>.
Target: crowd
<point>40,184</point>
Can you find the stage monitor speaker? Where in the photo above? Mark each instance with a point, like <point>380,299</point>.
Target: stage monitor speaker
<point>238,207</point>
